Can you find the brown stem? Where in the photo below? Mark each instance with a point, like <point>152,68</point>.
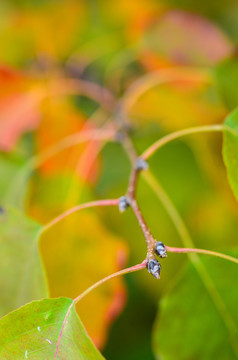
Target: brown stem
<point>131,190</point>
<point>150,241</point>
<point>131,196</point>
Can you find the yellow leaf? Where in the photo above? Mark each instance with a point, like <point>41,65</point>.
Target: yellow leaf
<point>77,253</point>
<point>178,106</point>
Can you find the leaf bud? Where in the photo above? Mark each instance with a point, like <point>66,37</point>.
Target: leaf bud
<point>153,267</point>
<point>160,250</point>
<point>123,203</point>
<point>141,164</point>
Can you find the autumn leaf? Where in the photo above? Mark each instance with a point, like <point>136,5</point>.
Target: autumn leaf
<point>194,100</point>
<point>62,120</point>
<point>19,107</point>
<point>187,39</point>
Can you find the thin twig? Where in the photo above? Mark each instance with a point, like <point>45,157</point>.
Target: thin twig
<point>97,203</point>
<point>131,195</point>
<point>201,251</point>
<point>109,277</point>
<point>150,241</point>
<point>178,134</point>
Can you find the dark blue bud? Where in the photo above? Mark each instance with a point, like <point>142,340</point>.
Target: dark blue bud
<point>154,267</point>
<point>160,249</point>
<point>123,203</point>
<point>141,164</point>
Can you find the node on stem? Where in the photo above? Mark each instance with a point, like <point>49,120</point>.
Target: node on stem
<point>124,203</point>
<point>141,164</point>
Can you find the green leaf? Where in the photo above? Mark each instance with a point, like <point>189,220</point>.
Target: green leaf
<point>230,150</point>
<point>189,326</point>
<point>22,276</point>
<point>14,176</point>
<point>32,332</point>
<point>226,74</point>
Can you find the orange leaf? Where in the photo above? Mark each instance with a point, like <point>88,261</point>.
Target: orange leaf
<point>19,107</point>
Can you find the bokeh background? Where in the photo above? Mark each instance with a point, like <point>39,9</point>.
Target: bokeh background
<point>124,46</point>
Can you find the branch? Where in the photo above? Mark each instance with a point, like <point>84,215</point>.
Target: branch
<point>150,241</point>
<point>138,164</point>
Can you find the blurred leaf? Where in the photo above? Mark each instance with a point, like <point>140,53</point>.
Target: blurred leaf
<point>195,104</point>
<point>22,276</point>
<point>17,187</point>
<point>227,78</point>
<point>47,31</point>
<point>189,326</point>
<point>19,107</point>
<point>77,253</point>
<point>230,150</point>
<point>32,331</point>
<point>186,38</point>
<point>61,120</point>
<point>211,9</point>
<point>12,180</point>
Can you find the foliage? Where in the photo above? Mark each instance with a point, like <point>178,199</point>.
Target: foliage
<point>87,88</point>
<point>26,340</point>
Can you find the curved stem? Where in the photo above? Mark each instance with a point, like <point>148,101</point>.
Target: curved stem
<point>118,273</point>
<point>97,203</point>
<point>178,134</point>
<point>201,251</point>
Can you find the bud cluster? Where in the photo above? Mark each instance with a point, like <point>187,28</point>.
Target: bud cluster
<point>153,265</point>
